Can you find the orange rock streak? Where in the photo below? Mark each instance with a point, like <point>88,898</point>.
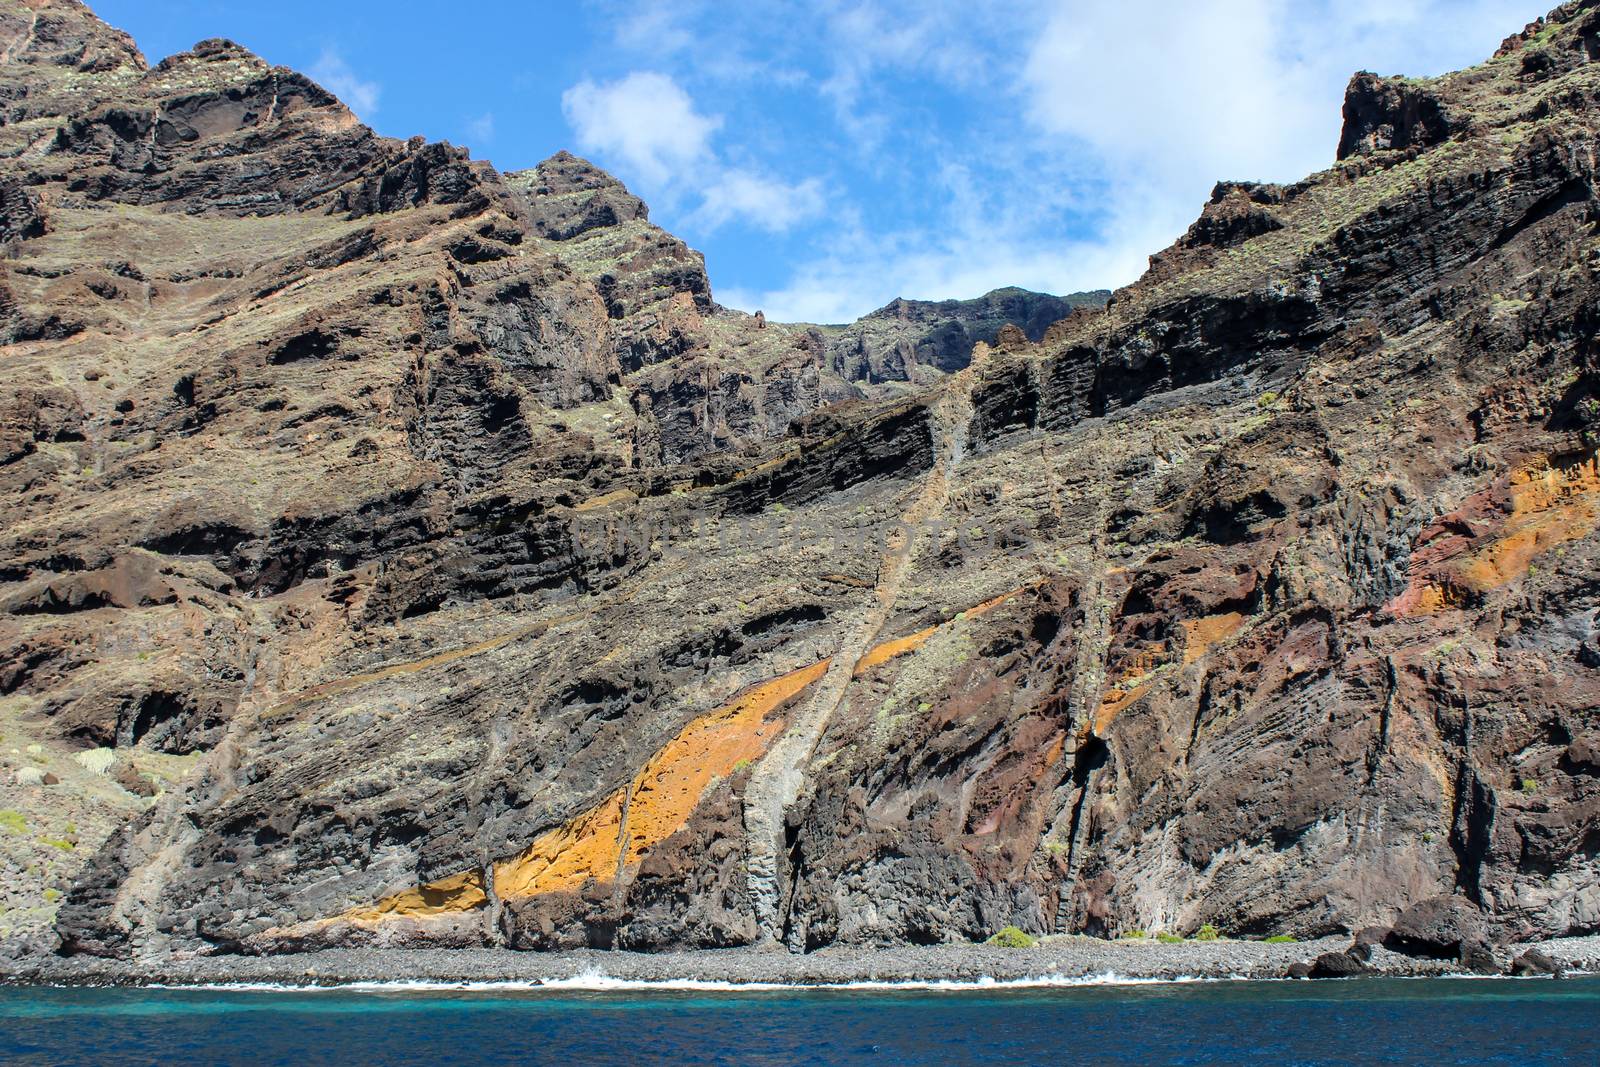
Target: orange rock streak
<point>615,834</point>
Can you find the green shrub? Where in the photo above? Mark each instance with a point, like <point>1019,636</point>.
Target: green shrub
<point>1169,939</point>
<point>52,895</point>
<point>1267,399</point>
<point>1134,935</point>
<point>1011,937</point>
<point>13,821</point>
<point>56,842</point>
<point>1208,932</point>
<point>1529,785</point>
<point>1281,939</point>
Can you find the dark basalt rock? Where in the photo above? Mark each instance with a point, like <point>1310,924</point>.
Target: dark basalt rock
<point>21,215</point>
<point>1442,927</point>
<point>1476,956</point>
<point>1534,963</point>
<point>1372,935</point>
<point>571,196</point>
<point>1382,114</point>
<point>1338,965</point>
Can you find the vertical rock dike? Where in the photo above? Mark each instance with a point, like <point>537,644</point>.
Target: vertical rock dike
<point>780,777</point>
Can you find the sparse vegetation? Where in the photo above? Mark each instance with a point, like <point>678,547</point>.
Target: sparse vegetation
<point>56,842</point>
<point>1208,932</point>
<point>51,895</point>
<point>1281,939</point>
<point>1011,937</point>
<point>97,760</point>
<point>1135,934</point>
<point>1169,939</point>
<point>13,821</point>
<point>1267,399</point>
<point>1529,785</point>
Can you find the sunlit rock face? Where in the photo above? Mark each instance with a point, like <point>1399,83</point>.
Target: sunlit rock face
<point>418,554</point>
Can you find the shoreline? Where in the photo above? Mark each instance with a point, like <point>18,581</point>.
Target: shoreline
<point>1055,961</point>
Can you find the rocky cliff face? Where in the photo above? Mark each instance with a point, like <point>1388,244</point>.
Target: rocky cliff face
<point>451,569</point>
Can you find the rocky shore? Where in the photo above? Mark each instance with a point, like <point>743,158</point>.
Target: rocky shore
<point>1059,958</point>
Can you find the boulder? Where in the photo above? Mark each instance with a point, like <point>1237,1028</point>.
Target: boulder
<point>1534,963</point>
<point>1338,965</point>
<point>1361,950</point>
<point>1372,935</point>
<point>1437,927</point>
<point>1477,957</point>
<point>133,781</point>
<point>1299,969</point>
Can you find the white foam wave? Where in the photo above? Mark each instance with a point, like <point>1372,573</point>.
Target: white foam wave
<point>596,981</point>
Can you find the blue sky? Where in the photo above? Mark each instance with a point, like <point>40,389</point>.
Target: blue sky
<point>829,156</point>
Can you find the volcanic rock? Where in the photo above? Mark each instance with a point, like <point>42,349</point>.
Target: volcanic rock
<point>459,572</point>
<point>1337,965</point>
<point>1532,963</point>
<point>1444,927</point>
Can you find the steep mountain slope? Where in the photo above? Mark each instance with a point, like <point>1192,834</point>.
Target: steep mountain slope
<point>262,364</point>
<point>500,588</point>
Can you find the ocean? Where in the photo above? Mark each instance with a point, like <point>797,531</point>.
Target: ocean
<point>1376,1021</point>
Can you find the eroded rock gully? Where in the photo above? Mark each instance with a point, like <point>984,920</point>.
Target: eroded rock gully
<point>437,563</point>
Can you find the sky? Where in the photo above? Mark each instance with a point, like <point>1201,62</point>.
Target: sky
<point>830,156</point>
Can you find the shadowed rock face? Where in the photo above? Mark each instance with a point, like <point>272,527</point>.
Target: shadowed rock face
<point>461,573</point>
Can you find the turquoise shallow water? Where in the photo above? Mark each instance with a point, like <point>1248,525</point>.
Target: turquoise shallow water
<point>1388,1021</point>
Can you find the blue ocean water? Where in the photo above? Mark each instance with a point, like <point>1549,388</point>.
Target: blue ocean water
<point>1387,1021</point>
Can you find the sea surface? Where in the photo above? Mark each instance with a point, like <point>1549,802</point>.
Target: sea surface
<point>1387,1021</point>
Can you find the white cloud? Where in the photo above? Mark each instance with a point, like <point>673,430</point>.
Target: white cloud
<point>1054,144</point>
<point>656,26</point>
<point>1238,89</point>
<point>335,75</point>
<point>1233,88</point>
<point>481,129</point>
<point>647,126</point>
<point>645,120</point>
<point>765,203</point>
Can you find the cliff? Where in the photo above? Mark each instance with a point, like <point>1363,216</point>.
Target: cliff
<point>425,558</point>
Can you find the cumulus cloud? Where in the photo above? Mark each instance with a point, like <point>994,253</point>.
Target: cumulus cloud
<point>648,127</point>
<point>1054,144</point>
<point>766,203</point>
<point>644,120</point>
<point>1232,88</point>
<point>334,74</point>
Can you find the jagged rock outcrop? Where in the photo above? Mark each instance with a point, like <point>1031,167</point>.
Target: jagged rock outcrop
<point>459,572</point>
